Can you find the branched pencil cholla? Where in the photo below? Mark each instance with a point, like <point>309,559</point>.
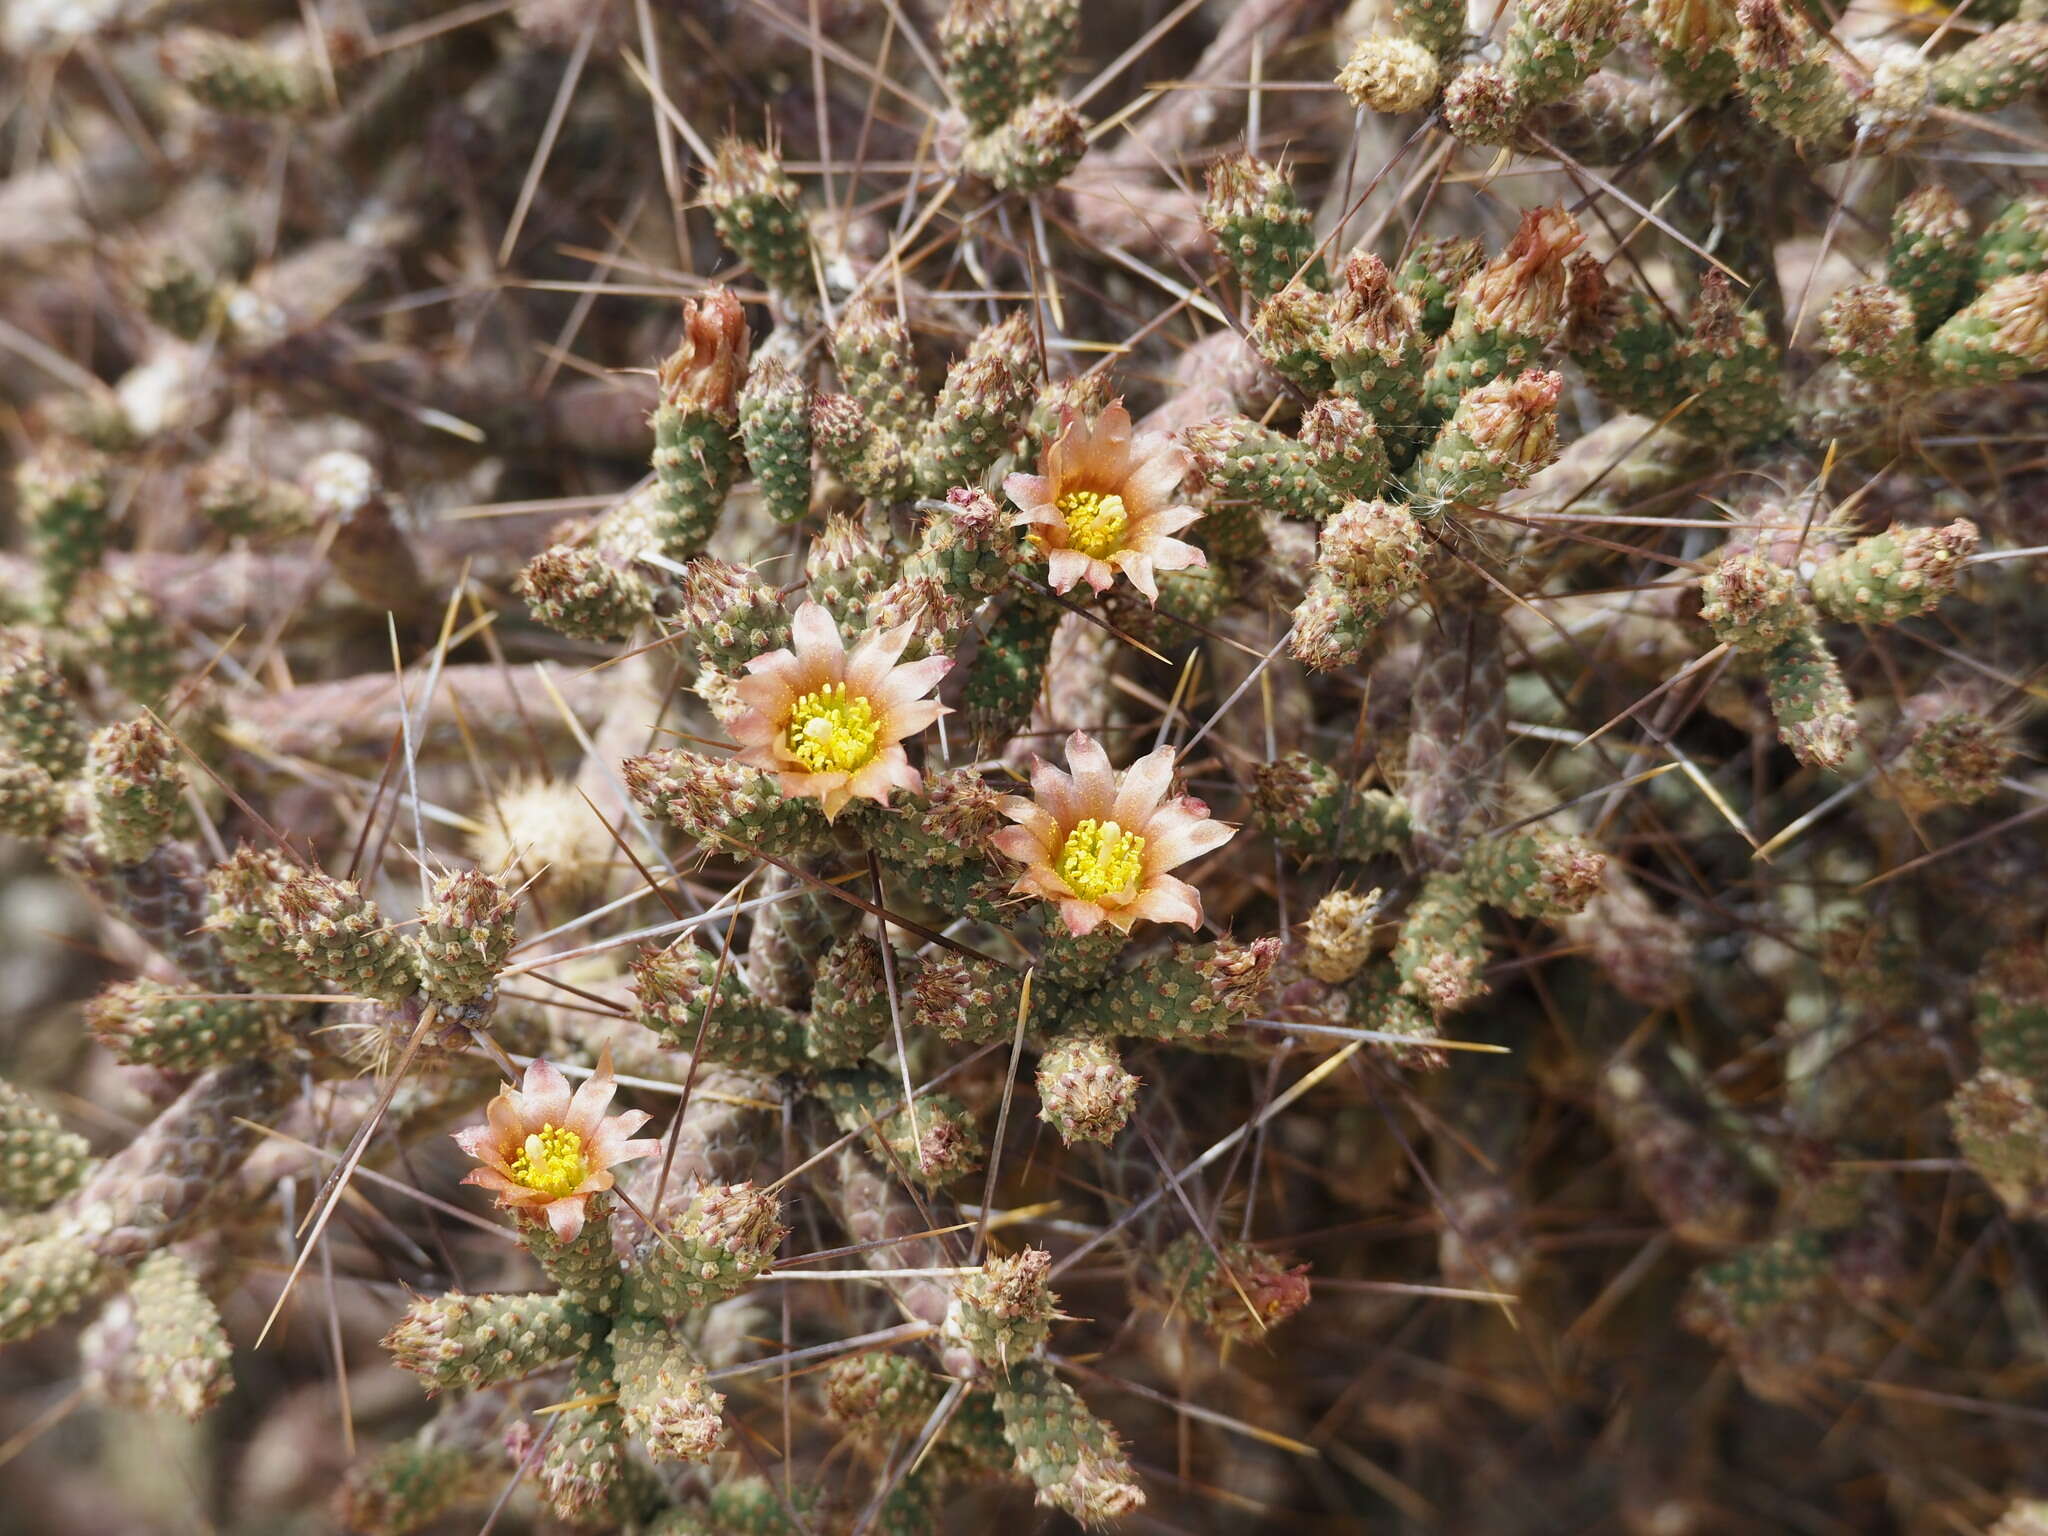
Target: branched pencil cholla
<point>1258,765</point>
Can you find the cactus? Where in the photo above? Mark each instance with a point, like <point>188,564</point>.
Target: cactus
<point>1074,1459</point>
<point>1084,1092</point>
<point>162,1345</point>
<point>1260,227</point>
<point>1004,1311</point>
<point>1230,1289</point>
<point>464,937</point>
<point>148,1024</point>
<point>758,214</point>
<point>457,1341</point>
<point>724,1240</point>
<point>40,1161</point>
<point>39,720</point>
<point>695,1004</point>
<point>662,1397</point>
<point>1553,45</point>
<point>340,936</point>
<point>241,894</point>
<point>880,1394</point>
<point>1894,575</point>
<point>134,783</point>
<point>1022,669</point>
<point>63,496</point>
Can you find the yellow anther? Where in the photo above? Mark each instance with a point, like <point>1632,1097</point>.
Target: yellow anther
<point>552,1161</point>
<point>1095,522</point>
<point>830,732</point>
<point>1101,859</point>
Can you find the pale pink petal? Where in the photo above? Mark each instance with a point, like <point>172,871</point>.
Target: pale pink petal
<point>1028,491</point>
<point>607,1143</point>
<point>1150,445</point>
<point>1173,555</point>
<point>1156,475</point>
<point>1146,783</point>
<point>565,1217</point>
<point>1177,835</point>
<point>814,634</point>
<point>1094,779</point>
<point>502,1115</point>
<point>756,729</point>
<point>1035,823</point>
<point>867,668</point>
<point>800,783</point>
<point>1113,426</point>
<point>887,772</point>
<point>1171,520</point>
<point>593,1097</point>
<point>781,759</point>
<point>906,720</point>
<point>1137,566</point>
<point>493,1180</point>
<point>479,1141</point>
<point>1067,455</point>
<point>836,797</point>
<point>1064,567</point>
<point>1081,917</point>
<point>544,1096</point>
<point>1167,900</point>
<point>909,682</point>
<point>1101,575</point>
<point>782,664</point>
<point>1055,791</point>
<point>768,694</point>
<point>1020,843</point>
<point>494,1159</point>
<point>1106,469</point>
<point>1043,881</point>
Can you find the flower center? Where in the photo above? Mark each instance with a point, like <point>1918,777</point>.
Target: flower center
<point>1095,522</point>
<point>552,1161</point>
<point>830,732</point>
<point>1100,859</point>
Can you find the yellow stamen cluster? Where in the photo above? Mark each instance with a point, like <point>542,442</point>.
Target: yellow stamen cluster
<point>1100,858</point>
<point>831,732</point>
<point>552,1161</point>
<point>1095,521</point>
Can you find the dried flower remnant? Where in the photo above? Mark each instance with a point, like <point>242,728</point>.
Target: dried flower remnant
<point>706,371</point>
<point>1099,843</point>
<point>546,1151</point>
<point>831,723</point>
<point>1390,74</point>
<point>1104,503</point>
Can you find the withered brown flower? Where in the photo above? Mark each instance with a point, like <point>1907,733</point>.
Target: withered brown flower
<point>706,371</point>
